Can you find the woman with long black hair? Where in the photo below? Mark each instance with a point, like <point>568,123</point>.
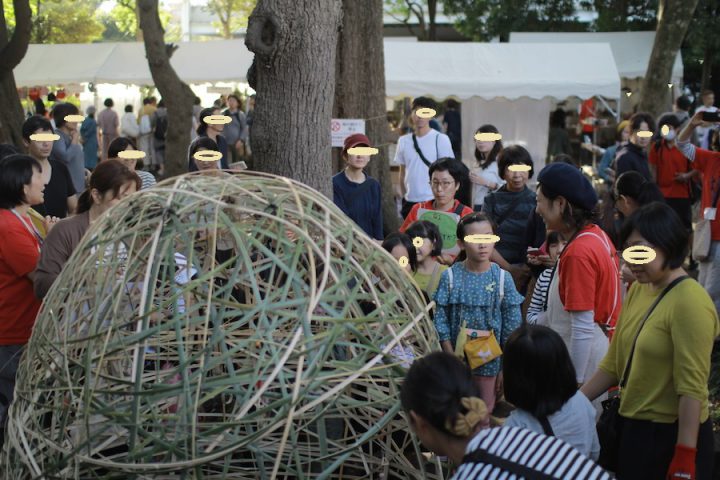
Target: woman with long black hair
<point>484,176</point>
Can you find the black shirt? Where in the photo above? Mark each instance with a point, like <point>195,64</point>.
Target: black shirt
<point>57,192</point>
<point>631,157</point>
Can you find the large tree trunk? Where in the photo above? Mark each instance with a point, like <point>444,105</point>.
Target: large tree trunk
<point>293,74</point>
<point>12,52</point>
<point>360,88</point>
<point>432,12</point>
<point>674,17</point>
<point>177,95</point>
<point>706,68</point>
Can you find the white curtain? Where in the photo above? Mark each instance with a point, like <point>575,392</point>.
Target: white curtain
<point>523,121</point>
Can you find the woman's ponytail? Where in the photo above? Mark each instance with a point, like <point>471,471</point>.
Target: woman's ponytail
<point>84,202</point>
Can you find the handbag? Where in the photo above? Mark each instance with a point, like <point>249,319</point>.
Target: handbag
<point>702,238</point>
<point>476,349</point>
<point>609,425</point>
<point>481,349</point>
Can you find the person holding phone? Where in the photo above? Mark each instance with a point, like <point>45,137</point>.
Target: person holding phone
<point>708,163</point>
<point>708,105</point>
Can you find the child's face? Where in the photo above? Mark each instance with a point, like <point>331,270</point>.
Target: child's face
<point>556,249</point>
<point>400,251</point>
<point>424,251</point>
<point>477,252</point>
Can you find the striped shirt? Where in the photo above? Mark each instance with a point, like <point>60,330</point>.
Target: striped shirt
<point>547,457</point>
<point>148,179</point>
<point>539,296</point>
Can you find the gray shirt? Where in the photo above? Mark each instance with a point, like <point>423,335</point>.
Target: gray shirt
<point>574,423</point>
<point>70,155</point>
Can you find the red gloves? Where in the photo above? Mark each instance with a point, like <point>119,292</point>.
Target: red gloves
<point>683,463</point>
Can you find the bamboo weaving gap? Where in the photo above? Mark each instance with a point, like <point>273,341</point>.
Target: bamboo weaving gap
<point>221,326</point>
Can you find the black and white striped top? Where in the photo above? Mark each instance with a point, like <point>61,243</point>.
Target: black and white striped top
<point>540,456</point>
<point>539,296</point>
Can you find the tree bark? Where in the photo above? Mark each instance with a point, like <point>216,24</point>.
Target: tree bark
<point>432,11</point>
<point>360,89</point>
<point>12,52</point>
<point>177,94</point>
<point>293,75</point>
<point>674,17</point>
<point>706,68</point>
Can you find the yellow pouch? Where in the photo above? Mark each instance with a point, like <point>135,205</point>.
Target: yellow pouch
<point>481,349</point>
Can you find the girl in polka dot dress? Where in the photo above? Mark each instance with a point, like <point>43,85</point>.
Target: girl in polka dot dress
<point>470,292</point>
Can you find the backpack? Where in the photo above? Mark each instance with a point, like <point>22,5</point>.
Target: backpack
<point>161,127</point>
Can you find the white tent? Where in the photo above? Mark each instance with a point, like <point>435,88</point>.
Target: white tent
<point>508,85</point>
<point>195,62</point>
<point>631,49</point>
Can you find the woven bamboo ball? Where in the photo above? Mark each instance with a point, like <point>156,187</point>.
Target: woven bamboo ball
<point>221,326</point>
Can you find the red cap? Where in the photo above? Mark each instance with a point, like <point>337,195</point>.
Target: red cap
<point>354,140</point>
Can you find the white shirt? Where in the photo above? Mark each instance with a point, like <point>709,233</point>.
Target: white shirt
<point>574,423</point>
<point>490,174</point>
<point>702,132</point>
<point>129,126</point>
<point>433,145</point>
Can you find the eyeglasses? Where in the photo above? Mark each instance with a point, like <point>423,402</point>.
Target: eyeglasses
<point>444,185</point>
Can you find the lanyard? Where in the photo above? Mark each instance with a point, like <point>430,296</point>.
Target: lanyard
<point>33,231</point>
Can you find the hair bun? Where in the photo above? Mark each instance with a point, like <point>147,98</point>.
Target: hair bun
<point>465,424</point>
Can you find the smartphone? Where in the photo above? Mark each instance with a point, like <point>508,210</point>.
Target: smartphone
<point>533,252</point>
<point>711,116</point>
<point>587,139</point>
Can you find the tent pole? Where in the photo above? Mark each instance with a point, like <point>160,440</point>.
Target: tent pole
<point>614,114</point>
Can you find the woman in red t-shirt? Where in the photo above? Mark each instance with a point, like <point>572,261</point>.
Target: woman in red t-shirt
<point>21,185</point>
<point>584,296</point>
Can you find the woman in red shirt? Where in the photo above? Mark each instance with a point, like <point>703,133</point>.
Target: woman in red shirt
<point>584,296</point>
<point>21,185</point>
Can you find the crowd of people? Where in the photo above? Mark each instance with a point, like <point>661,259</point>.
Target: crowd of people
<point>544,300</point>
<point>536,306</point>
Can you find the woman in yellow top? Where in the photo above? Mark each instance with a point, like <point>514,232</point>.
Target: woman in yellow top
<point>665,430</point>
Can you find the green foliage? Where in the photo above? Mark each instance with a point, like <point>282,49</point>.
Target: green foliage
<point>702,43</point>
<point>232,15</point>
<point>121,23</point>
<point>55,21</point>
<point>622,15</point>
<point>485,19</point>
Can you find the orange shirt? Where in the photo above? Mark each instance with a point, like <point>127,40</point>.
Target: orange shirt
<point>412,216</point>
<point>669,162</point>
<point>708,162</point>
<point>588,279</point>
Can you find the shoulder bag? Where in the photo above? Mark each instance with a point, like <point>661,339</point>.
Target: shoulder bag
<point>609,425</point>
<point>702,238</point>
<point>475,349</point>
<point>419,152</point>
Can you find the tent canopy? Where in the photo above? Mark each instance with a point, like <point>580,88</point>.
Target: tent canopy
<point>631,49</point>
<point>439,69</point>
<point>195,62</point>
<point>491,70</point>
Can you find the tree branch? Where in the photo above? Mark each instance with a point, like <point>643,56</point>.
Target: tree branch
<point>12,53</point>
